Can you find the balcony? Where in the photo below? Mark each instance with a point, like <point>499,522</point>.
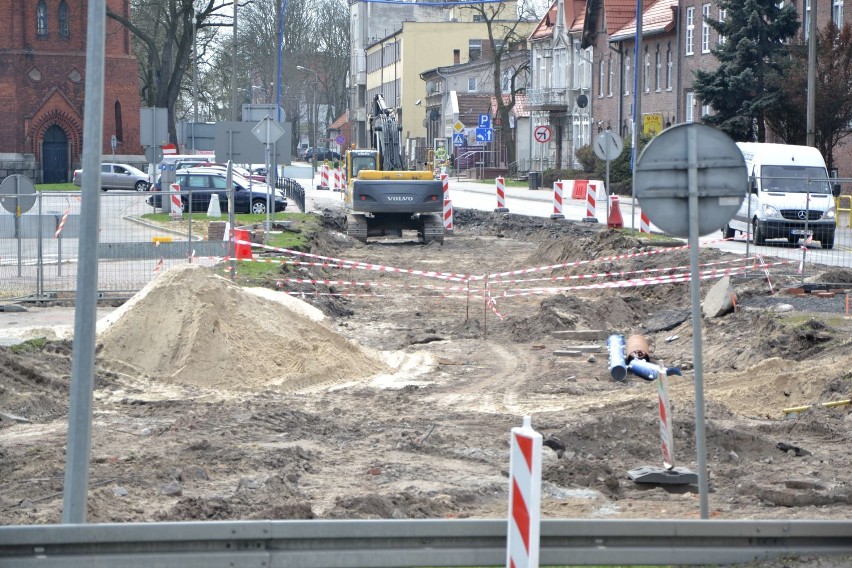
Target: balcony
<point>552,99</point>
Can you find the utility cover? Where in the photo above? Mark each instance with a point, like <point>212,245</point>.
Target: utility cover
<point>662,180</point>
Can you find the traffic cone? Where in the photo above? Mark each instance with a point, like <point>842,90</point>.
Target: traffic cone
<point>242,250</point>
<point>614,221</point>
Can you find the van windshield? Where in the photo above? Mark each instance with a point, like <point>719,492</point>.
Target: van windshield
<point>794,179</point>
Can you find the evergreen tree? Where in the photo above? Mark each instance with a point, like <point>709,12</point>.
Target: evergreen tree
<point>743,88</point>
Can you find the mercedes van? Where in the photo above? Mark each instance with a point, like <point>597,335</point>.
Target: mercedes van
<point>790,195</point>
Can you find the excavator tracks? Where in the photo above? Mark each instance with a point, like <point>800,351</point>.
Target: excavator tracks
<point>356,227</point>
<point>431,228</point>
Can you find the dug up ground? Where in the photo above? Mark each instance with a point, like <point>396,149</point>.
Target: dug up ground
<point>378,381</point>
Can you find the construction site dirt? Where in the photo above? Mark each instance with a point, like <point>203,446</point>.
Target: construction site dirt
<point>382,380</point>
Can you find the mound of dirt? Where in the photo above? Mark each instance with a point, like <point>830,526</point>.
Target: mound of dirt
<point>192,327</point>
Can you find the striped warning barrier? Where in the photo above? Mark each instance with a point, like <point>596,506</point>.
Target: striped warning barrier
<point>591,203</point>
<point>557,201</point>
<point>501,195</point>
<point>522,546</point>
<point>176,209</point>
<point>644,223</point>
<point>62,222</point>
<point>342,178</point>
<point>448,216</point>
<point>335,183</point>
<point>323,177</point>
<point>666,440</point>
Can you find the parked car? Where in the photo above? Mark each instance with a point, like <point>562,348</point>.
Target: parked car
<point>202,183</point>
<point>118,176</point>
<point>322,154</point>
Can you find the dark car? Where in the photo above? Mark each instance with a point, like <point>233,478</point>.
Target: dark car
<point>202,183</point>
<point>322,154</point>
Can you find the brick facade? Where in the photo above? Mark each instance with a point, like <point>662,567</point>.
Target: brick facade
<point>42,84</point>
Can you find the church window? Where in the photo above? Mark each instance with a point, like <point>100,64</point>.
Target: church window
<point>63,19</point>
<point>41,18</point>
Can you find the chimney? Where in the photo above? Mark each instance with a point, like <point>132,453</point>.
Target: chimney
<point>456,56</point>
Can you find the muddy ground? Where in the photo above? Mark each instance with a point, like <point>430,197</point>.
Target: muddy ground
<point>402,406</point>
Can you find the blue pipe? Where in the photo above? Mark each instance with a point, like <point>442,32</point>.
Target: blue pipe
<point>649,371</point>
<point>617,367</point>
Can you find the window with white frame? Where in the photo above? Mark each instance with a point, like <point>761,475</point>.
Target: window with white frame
<point>690,107</point>
<point>690,29</point>
<point>506,80</point>
<point>837,13</point>
<point>723,13</point>
<point>610,76</point>
<point>601,78</point>
<point>705,110</point>
<point>669,68</point>
<point>471,84</point>
<point>627,77</point>
<point>646,73</point>
<point>583,69</point>
<point>474,49</point>
<point>658,69</point>
<point>705,28</point>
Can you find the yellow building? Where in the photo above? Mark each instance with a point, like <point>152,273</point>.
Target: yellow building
<point>394,63</point>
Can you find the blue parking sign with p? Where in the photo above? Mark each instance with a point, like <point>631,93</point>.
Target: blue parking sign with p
<point>484,121</point>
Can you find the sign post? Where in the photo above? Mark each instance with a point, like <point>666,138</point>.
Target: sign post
<point>542,135</point>
<point>607,147</point>
<point>675,177</point>
<point>268,132</point>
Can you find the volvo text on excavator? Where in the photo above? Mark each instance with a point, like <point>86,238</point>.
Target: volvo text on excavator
<point>382,198</point>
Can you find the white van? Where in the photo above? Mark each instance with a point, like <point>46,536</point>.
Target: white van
<point>790,195</point>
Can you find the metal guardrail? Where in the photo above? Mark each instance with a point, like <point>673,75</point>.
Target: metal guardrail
<point>410,543</point>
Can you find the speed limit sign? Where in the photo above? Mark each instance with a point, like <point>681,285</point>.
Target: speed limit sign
<point>542,133</point>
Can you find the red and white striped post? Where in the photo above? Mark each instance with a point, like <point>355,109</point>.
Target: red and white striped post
<point>501,195</point>
<point>667,442</point>
<point>448,204</point>
<point>342,173</point>
<point>175,209</point>
<point>522,543</point>
<point>591,204</point>
<point>644,223</point>
<point>323,177</point>
<point>335,180</point>
<point>557,201</point>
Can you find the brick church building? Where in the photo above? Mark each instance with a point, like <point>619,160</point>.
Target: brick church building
<point>42,87</point>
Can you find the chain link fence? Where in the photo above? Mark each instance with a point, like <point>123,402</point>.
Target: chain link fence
<point>39,249</point>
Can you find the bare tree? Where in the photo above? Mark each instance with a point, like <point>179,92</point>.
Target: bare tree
<point>504,37</point>
<point>164,31</point>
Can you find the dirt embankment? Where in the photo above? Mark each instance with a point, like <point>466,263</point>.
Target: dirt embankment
<point>391,394</point>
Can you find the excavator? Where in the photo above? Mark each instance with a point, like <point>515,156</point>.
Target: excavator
<point>381,197</point>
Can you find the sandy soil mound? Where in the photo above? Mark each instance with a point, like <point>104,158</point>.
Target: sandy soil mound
<point>192,327</point>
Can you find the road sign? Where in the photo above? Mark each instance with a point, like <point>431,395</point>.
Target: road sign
<point>662,178</point>
<point>542,133</point>
<point>484,121</point>
<point>169,148</point>
<point>607,145</point>
<point>458,139</point>
<point>484,135</point>
<point>153,154</point>
<point>17,194</point>
<point>458,126</point>
<point>267,131</point>
<point>340,139</point>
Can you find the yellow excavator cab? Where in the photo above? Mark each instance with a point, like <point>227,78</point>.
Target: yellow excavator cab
<point>375,174</point>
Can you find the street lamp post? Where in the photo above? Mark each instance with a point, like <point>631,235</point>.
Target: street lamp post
<point>314,114</point>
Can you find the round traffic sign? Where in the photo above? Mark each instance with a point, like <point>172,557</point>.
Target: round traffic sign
<point>17,194</point>
<point>153,154</point>
<point>674,165</point>
<point>542,133</point>
<point>340,139</point>
<point>607,145</point>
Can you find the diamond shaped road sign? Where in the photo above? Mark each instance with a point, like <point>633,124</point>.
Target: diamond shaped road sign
<point>458,126</point>
<point>268,131</point>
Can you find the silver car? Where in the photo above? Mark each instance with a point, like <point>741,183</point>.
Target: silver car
<point>118,176</point>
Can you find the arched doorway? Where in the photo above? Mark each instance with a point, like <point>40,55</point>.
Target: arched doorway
<point>54,156</point>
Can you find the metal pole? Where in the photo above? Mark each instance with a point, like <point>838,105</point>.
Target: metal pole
<point>83,353</point>
<point>278,60</point>
<point>194,81</point>
<point>40,261</point>
<point>234,69</point>
<point>637,108</point>
<point>695,289</point>
<point>232,249</point>
<point>812,63</point>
